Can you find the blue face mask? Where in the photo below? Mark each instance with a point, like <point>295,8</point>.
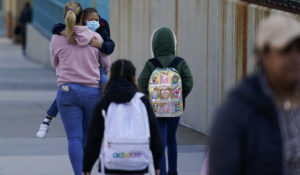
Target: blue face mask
<point>93,25</point>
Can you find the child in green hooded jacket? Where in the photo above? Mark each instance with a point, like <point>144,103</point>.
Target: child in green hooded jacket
<point>163,49</point>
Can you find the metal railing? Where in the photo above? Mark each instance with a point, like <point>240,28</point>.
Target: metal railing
<point>46,13</point>
<point>287,5</point>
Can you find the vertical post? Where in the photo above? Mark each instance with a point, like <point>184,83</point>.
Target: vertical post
<point>176,17</point>
<point>176,22</point>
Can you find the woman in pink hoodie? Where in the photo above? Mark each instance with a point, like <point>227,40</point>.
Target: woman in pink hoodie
<point>77,70</point>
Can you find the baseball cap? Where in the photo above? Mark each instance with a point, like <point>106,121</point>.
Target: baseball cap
<point>277,31</point>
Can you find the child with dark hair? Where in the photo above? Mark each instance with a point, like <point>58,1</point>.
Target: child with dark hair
<point>90,18</point>
<point>120,89</point>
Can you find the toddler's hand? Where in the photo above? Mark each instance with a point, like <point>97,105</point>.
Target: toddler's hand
<point>96,43</point>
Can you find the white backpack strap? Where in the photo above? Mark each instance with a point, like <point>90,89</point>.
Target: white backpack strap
<point>139,95</point>
<point>103,114</point>
<point>101,159</point>
<point>102,165</point>
<point>151,168</point>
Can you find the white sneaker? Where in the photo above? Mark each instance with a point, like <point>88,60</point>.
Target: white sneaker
<point>42,133</point>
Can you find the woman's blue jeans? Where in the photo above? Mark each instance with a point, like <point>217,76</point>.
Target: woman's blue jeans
<point>76,107</point>
<point>53,111</point>
<point>168,128</point>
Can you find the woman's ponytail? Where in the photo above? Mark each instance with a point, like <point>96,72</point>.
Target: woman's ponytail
<point>73,12</point>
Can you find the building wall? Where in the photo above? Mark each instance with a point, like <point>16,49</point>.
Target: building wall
<point>215,37</point>
<point>38,45</point>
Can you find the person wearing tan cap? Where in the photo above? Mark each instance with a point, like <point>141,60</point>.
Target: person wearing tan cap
<point>257,129</point>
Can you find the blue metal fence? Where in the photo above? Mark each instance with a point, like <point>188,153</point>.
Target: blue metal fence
<point>49,12</point>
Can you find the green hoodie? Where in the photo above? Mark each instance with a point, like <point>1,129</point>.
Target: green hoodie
<point>163,45</point>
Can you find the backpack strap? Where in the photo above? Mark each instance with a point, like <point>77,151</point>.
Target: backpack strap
<point>103,114</point>
<point>156,63</point>
<point>175,62</point>
<point>139,95</point>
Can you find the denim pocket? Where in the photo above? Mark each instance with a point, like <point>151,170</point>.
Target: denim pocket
<point>65,98</point>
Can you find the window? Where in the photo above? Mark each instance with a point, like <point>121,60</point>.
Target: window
<point>287,5</point>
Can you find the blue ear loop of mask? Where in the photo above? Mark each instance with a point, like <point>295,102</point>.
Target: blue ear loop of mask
<point>93,25</point>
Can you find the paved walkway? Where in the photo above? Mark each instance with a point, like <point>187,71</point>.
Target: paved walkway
<point>26,90</point>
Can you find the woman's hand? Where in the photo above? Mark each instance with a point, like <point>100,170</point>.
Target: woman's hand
<point>96,43</point>
<point>86,173</point>
<point>157,172</point>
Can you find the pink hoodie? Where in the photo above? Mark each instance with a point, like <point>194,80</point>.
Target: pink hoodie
<point>78,63</point>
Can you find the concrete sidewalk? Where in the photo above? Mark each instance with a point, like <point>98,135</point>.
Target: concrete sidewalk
<point>26,91</point>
